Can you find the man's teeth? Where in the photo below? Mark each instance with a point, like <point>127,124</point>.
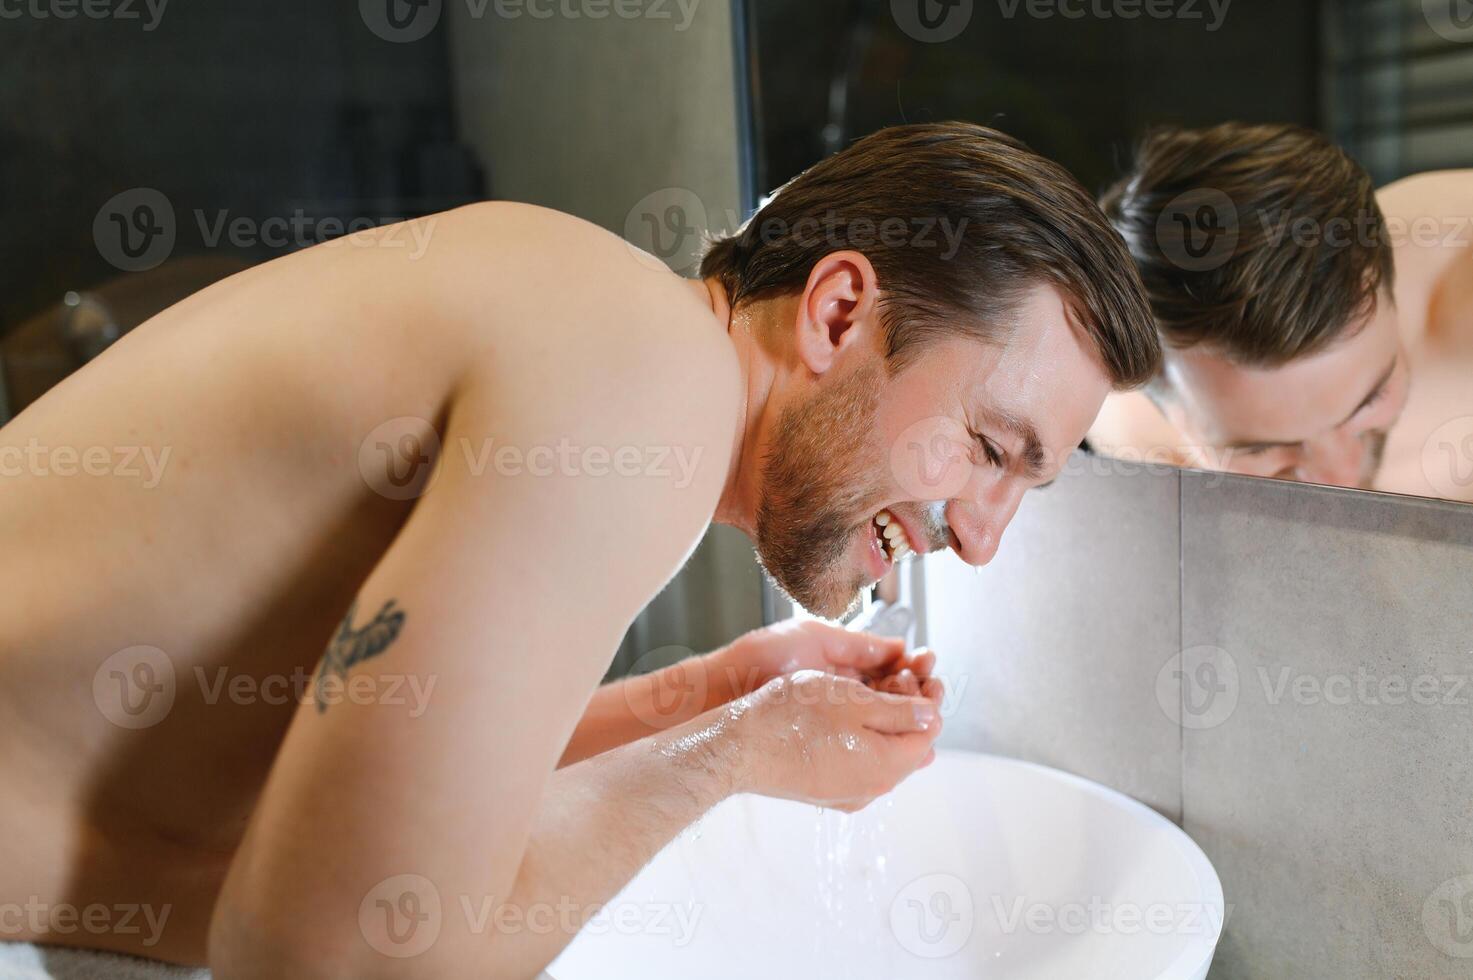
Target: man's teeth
<point>892,536</point>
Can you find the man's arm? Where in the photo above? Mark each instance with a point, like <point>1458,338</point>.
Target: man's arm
<point>635,707</point>
<point>506,589</point>
<point>789,738</point>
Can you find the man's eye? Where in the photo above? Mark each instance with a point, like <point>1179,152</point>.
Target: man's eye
<point>989,449</point>
<point>1376,396</point>
<point>1260,450</point>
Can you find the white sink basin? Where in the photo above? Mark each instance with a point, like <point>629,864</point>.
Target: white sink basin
<point>976,867</point>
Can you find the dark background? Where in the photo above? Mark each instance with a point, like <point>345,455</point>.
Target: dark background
<point>259,108</point>
<point>1373,74</point>
<point>274,107</point>
<point>1078,91</point>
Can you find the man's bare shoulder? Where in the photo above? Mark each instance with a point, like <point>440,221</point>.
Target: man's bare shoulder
<point>562,303</point>
<point>608,384</point>
<point>1429,221</point>
<point>1436,192</point>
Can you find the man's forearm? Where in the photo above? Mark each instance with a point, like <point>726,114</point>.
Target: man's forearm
<point>602,820</point>
<point>636,707</point>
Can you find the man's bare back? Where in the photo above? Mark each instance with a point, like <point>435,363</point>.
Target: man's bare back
<point>263,402</point>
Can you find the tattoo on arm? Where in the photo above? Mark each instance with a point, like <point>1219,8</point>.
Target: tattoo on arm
<point>352,646</point>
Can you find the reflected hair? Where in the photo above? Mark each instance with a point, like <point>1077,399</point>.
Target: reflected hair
<point>1275,293</point>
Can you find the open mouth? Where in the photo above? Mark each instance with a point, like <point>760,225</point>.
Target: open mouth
<point>891,536</point>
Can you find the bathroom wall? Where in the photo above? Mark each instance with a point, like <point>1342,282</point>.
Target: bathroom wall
<point>1328,771</point>
<point>633,124</point>
<point>1285,670</point>
<point>1052,650</point>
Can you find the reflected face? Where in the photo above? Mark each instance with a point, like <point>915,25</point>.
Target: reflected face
<point>1319,419</point>
<point>866,467</point>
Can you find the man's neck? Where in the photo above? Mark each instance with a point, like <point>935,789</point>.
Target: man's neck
<point>738,504</point>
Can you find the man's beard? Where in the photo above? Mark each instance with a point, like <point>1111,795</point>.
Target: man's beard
<point>820,487</point>
<point>1375,451</point>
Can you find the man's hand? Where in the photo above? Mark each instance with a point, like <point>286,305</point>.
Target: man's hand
<point>640,706</point>
<point>762,655</point>
<point>829,740</point>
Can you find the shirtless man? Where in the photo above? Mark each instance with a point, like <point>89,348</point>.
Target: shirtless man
<point>1315,329</point>
<point>841,322</point>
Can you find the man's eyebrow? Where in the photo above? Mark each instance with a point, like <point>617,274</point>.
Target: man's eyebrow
<point>1255,447</point>
<point>1372,395</point>
<point>1033,456</point>
<point>1375,391</point>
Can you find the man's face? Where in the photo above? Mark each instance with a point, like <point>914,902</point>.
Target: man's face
<point>943,450</point>
<point>1319,419</point>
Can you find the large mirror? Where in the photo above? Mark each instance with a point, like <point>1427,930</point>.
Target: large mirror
<point>1290,177</point>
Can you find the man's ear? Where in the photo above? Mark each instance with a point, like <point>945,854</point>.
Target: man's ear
<point>839,309</point>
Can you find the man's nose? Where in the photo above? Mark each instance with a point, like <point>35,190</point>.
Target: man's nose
<point>979,523</point>
<point>1338,459</point>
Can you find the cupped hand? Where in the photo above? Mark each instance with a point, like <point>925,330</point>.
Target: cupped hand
<point>756,658</point>
<point>830,740</point>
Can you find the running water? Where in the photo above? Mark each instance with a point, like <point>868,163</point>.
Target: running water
<point>853,885</point>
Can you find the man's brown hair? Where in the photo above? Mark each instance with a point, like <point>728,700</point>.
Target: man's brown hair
<point>1263,243</point>
<point>960,223</point>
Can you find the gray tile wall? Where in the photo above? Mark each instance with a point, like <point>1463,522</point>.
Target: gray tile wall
<point>1052,651</point>
<point>1285,670</point>
<point>1329,776</point>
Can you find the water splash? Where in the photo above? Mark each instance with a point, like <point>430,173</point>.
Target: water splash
<point>852,880</point>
